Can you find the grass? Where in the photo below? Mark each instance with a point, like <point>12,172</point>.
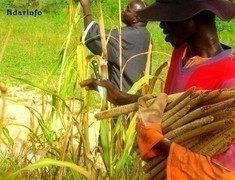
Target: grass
<point>35,42</point>
<point>33,46</point>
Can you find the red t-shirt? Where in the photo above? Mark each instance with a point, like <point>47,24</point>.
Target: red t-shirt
<point>217,72</point>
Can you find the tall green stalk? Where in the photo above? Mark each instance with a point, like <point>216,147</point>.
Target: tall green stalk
<point>105,126</point>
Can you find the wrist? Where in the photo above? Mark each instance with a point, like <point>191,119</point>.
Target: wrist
<point>147,138</point>
<point>87,14</point>
<point>155,126</point>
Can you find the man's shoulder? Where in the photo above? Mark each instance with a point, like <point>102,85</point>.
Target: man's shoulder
<point>135,30</point>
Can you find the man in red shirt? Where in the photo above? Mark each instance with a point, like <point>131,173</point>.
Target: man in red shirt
<point>200,60</point>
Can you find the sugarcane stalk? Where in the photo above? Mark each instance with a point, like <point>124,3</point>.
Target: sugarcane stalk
<point>5,44</point>
<point>128,108</point>
<point>117,111</point>
<point>204,129</point>
<point>205,140</point>
<point>175,109</point>
<point>198,99</point>
<point>222,114</point>
<point>103,61</point>
<point>180,98</point>
<point>205,110</point>
<point>189,127</point>
<point>212,95</point>
<point>216,143</point>
<point>190,143</point>
<point>210,142</point>
<point>225,94</point>
<point>153,162</point>
<point>227,140</point>
<point>175,117</point>
<point>161,175</point>
<point>219,148</point>
<point>120,47</point>
<point>212,148</point>
<point>161,166</point>
<point>3,91</point>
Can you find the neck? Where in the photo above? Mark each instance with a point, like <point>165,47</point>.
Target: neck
<point>138,24</point>
<point>205,42</point>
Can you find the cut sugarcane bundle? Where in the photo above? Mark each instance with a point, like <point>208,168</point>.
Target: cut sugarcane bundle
<point>204,124</point>
<point>198,120</point>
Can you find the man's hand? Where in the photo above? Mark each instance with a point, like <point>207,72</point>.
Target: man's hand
<point>152,114</point>
<point>113,94</point>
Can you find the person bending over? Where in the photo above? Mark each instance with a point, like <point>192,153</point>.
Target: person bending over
<point>135,43</point>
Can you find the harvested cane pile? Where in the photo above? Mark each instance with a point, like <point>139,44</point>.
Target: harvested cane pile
<point>199,120</point>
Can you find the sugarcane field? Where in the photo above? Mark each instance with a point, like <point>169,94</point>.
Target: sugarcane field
<point>117,89</point>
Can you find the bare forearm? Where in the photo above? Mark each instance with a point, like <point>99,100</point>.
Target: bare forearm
<point>163,146</point>
<point>86,6</point>
<point>129,99</point>
<point>87,16</point>
<point>122,98</point>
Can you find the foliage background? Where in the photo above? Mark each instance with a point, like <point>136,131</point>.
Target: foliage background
<point>35,42</point>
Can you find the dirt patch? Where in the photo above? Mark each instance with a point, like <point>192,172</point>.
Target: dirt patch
<point>18,115</point>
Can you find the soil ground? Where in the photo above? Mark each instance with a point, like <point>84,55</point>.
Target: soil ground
<point>17,115</point>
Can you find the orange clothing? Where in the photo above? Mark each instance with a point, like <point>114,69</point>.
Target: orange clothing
<point>147,138</point>
<point>183,164</point>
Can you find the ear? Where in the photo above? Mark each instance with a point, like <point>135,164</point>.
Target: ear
<point>135,20</point>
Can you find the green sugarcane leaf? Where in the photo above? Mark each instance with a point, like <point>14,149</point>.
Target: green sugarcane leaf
<point>105,141</point>
<point>49,162</point>
<point>7,135</point>
<point>129,141</point>
<point>39,86</point>
<point>137,85</point>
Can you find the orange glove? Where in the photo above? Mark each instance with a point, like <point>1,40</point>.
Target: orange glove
<point>149,127</point>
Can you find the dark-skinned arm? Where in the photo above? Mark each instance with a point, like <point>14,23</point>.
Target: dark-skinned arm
<point>114,95</point>
<point>86,5</point>
<point>164,146</point>
<point>117,97</point>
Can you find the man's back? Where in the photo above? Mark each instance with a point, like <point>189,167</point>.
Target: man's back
<point>135,44</point>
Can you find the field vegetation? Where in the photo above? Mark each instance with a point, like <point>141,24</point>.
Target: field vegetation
<point>47,53</point>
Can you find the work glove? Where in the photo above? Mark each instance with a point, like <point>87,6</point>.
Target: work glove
<point>149,126</point>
